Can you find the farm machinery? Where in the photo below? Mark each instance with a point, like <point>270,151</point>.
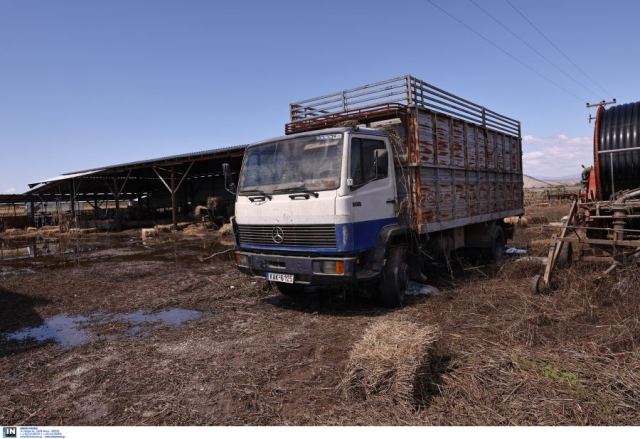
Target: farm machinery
<point>603,224</point>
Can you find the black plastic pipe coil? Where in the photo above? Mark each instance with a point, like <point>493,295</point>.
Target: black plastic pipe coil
<point>619,129</point>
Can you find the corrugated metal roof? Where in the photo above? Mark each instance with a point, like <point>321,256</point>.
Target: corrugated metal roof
<point>197,154</point>
<point>65,177</point>
<point>166,158</point>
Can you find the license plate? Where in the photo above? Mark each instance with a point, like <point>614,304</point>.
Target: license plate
<point>280,277</point>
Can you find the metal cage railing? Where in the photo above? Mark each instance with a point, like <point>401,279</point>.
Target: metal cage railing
<point>403,90</point>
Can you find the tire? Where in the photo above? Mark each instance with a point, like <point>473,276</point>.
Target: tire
<point>290,290</point>
<point>565,256</point>
<point>394,278</point>
<point>497,247</point>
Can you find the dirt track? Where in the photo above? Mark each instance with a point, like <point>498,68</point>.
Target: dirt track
<point>256,357</point>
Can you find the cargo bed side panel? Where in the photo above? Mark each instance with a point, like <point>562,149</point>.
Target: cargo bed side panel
<point>464,173</point>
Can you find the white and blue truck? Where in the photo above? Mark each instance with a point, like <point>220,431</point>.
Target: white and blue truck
<point>371,183</point>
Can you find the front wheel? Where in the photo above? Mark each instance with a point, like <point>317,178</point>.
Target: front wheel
<point>394,278</point>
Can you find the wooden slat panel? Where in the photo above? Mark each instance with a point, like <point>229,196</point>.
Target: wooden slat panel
<point>426,138</point>
<point>491,150</point>
<point>499,152</point>
<point>445,189</point>
<point>460,194</point>
<point>443,136</point>
<point>472,147</point>
<point>457,143</point>
<point>474,206</point>
<point>429,193</point>
<point>481,139</point>
<point>463,170</point>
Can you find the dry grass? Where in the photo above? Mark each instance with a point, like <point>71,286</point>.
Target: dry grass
<point>391,364</point>
<point>568,358</point>
<point>503,357</point>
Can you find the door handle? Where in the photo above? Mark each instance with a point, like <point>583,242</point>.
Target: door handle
<point>391,201</point>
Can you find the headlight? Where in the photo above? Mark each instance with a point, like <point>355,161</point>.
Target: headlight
<point>330,267</point>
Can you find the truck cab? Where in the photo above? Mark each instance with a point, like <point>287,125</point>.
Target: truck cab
<point>311,207</point>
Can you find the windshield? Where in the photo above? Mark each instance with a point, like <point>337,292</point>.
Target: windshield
<point>303,163</point>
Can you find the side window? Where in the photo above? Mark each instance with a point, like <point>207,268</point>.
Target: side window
<point>369,161</point>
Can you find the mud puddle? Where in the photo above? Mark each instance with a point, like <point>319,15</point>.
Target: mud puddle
<point>73,330</point>
<point>31,248</point>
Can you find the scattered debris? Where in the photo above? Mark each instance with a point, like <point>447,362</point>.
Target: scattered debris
<point>420,289</point>
<point>217,254</point>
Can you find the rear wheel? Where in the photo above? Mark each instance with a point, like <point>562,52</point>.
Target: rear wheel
<point>394,278</point>
<point>291,290</point>
<point>497,248</point>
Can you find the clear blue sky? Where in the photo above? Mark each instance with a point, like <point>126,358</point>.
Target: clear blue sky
<point>88,83</point>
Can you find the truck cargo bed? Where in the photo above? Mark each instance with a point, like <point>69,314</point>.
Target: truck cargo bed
<point>457,163</point>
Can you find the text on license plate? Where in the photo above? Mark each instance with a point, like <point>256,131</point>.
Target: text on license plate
<point>280,277</point>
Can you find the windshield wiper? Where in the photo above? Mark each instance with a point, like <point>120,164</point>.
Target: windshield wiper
<point>298,189</point>
<point>256,192</point>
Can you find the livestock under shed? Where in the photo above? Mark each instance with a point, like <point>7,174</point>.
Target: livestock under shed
<point>135,193</point>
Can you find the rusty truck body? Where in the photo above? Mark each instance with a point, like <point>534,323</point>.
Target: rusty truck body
<point>369,183</point>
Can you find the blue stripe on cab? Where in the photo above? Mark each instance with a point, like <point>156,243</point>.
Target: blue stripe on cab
<point>360,236</point>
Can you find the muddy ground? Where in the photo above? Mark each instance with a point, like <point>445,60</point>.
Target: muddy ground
<point>251,356</point>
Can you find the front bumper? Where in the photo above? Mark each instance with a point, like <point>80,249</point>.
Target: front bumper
<point>304,268</point>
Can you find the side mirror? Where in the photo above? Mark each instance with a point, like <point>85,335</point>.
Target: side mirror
<point>228,185</point>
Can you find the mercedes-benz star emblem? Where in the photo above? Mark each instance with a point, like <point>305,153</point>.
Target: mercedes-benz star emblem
<point>277,234</point>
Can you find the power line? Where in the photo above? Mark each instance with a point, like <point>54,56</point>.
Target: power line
<point>540,54</point>
<point>558,49</point>
<point>506,52</point>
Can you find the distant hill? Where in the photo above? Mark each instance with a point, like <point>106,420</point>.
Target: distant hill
<point>532,182</point>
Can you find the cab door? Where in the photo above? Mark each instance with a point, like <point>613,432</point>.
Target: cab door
<point>371,179</point>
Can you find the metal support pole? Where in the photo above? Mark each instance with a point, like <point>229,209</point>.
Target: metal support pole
<point>173,188</point>
<point>116,196</point>
<point>32,214</point>
<point>73,202</point>
<point>173,199</point>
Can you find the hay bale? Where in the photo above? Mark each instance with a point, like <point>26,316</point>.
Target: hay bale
<point>148,233</point>
<point>51,230</point>
<point>163,228</point>
<point>391,363</point>
<point>194,230</point>
<point>520,221</point>
<point>225,230</point>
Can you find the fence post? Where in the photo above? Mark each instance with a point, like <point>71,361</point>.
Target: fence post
<point>409,91</point>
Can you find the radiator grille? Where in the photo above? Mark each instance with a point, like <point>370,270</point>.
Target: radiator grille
<point>308,235</point>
